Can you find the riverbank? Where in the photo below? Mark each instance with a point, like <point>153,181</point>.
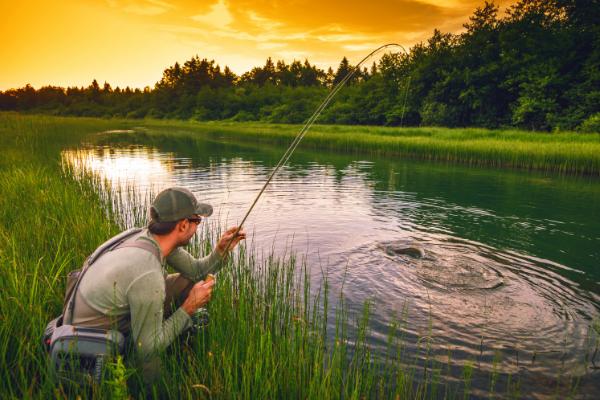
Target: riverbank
<point>565,152</point>
<point>559,152</point>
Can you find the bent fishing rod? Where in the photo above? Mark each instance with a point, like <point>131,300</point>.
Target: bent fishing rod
<point>292,147</point>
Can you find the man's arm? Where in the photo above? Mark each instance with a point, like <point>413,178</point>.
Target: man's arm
<point>197,268</point>
<point>146,296</point>
<point>194,268</point>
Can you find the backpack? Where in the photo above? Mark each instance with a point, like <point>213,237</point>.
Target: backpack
<point>77,350</point>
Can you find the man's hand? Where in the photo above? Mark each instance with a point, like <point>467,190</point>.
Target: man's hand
<point>227,237</point>
<point>199,295</point>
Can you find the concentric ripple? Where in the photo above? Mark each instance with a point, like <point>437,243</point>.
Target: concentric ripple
<point>443,269</point>
<point>477,300</point>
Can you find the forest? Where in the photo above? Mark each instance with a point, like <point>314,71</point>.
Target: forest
<point>535,67</point>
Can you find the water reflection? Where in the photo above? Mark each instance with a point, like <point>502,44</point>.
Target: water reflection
<point>509,259</point>
<point>139,166</point>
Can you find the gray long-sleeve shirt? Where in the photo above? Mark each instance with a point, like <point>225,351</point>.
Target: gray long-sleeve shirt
<point>126,287</point>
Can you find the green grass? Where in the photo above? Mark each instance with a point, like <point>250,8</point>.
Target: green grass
<point>268,334</point>
<point>563,152</point>
<point>48,224</point>
<point>567,152</point>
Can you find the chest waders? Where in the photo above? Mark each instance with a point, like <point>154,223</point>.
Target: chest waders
<point>78,353</point>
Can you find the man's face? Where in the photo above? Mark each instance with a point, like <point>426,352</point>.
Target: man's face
<point>188,229</point>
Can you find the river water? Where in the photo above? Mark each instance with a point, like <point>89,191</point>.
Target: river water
<point>508,272</point>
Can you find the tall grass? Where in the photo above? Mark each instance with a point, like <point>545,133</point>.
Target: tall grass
<point>48,224</point>
<point>268,336</point>
<point>564,152</point>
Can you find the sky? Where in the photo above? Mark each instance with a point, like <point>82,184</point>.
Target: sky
<point>131,42</point>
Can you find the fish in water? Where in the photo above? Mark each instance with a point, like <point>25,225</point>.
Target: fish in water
<point>397,248</point>
<point>452,271</point>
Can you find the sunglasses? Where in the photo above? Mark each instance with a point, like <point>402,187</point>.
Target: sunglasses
<point>195,220</point>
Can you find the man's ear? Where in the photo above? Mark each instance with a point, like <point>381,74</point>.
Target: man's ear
<point>182,225</point>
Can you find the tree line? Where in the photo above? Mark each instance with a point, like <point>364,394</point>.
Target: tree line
<point>536,67</point>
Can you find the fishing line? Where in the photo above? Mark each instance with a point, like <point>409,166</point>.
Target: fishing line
<point>292,147</point>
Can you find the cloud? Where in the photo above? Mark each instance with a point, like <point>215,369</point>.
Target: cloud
<point>322,31</point>
<point>218,16</point>
<point>272,45</point>
<point>350,15</point>
<point>141,7</point>
<point>293,54</point>
<point>262,22</point>
<point>361,46</point>
<point>336,37</point>
<point>349,25</point>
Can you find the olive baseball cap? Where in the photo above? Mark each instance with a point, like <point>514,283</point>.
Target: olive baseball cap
<point>176,203</point>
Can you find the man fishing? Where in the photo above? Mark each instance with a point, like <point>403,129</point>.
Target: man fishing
<point>127,288</point>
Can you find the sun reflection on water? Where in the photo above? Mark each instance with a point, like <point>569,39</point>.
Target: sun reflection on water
<point>137,165</point>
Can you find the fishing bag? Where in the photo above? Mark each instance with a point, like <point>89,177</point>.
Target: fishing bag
<point>78,353</point>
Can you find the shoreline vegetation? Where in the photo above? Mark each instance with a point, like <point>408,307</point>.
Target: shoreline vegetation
<point>268,334</point>
<point>564,153</point>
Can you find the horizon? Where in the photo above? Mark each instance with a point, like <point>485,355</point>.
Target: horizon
<point>131,42</point>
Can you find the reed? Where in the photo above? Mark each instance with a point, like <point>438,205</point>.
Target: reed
<point>269,335</point>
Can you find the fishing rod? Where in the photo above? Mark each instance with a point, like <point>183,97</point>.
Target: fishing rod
<point>292,147</point>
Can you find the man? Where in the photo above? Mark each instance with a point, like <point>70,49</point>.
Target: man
<point>128,287</point>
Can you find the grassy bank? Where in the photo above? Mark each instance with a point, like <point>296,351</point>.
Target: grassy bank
<point>567,152</point>
<point>48,224</point>
<point>563,152</point>
<point>267,337</point>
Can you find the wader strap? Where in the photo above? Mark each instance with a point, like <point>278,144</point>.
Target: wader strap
<point>119,241</point>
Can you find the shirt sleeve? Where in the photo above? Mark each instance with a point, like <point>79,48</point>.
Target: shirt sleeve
<point>194,268</point>
<point>146,296</point>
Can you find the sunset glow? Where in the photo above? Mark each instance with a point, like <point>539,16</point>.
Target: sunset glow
<point>130,42</point>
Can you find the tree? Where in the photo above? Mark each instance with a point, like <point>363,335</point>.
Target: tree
<point>261,76</point>
<point>310,75</point>
<point>343,69</point>
<point>92,92</point>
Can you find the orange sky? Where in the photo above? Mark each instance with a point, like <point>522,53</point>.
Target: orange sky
<point>130,42</point>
